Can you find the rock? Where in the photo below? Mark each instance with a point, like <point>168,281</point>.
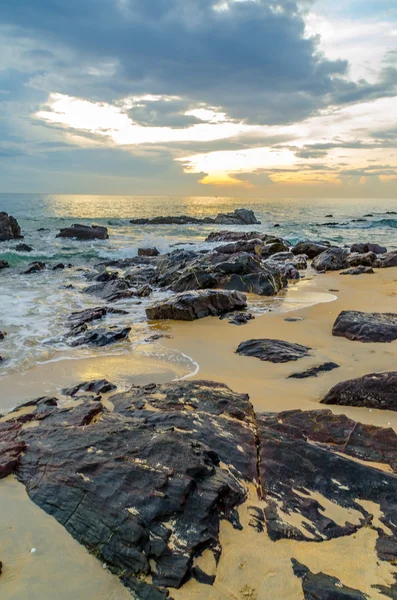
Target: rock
<point>311,249</point>
<point>387,260</point>
<point>148,252</point>
<point>34,267</point>
<point>293,319</point>
<point>324,587</point>
<point>238,236</point>
<point>2,335</point>
<point>274,248</point>
<point>365,248</point>
<point>241,216</point>
<point>366,327</point>
<point>359,271</point>
<point>4,264</point>
<point>23,248</point>
<point>189,306</point>
<point>143,488</point>
<point>111,290</point>
<point>357,259</point>
<point>77,319</point>
<point>315,371</point>
<point>9,228</point>
<point>377,390</point>
<point>84,232</point>
<point>250,246</point>
<point>97,386</point>
<point>241,318</point>
<point>329,216</point>
<point>275,351</point>
<point>101,337</point>
<point>332,259</point>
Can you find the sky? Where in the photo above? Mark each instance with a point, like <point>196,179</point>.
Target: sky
<point>272,98</point>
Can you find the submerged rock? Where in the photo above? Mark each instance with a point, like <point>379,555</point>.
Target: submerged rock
<point>275,351</point>
<point>84,232</point>
<point>366,327</point>
<point>332,259</point>
<point>189,306</point>
<point>315,371</point>
<point>240,216</point>
<point>377,390</point>
<point>324,587</point>
<point>2,335</point>
<point>77,319</point>
<point>9,228</point>
<point>148,252</point>
<point>101,337</point>
<point>4,264</point>
<point>359,271</point>
<point>34,267</point>
<point>23,248</point>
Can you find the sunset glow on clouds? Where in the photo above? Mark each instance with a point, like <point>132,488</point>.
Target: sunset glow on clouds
<point>249,95</point>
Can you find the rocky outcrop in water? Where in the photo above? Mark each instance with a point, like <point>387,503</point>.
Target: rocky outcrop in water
<point>34,267</point>
<point>366,327</point>
<point>377,390</point>
<point>240,216</point>
<point>23,248</point>
<point>332,259</point>
<point>148,252</point>
<point>4,264</point>
<point>189,306</point>
<point>9,228</point>
<point>100,336</point>
<point>84,232</point>
<point>275,351</point>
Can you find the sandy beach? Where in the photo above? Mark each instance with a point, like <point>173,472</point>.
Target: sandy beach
<point>263,570</point>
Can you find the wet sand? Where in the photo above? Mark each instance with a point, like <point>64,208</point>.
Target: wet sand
<point>251,566</point>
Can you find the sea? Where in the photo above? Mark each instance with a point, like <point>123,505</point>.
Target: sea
<point>34,308</point>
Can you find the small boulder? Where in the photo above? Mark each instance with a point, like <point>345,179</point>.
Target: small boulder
<point>241,318</point>
<point>366,327</point>
<point>274,351</point>
<point>9,228</point>
<point>34,267</point>
<point>315,371</point>
<point>84,232</point>
<point>332,259</point>
<point>151,252</point>
<point>377,390</point>
<point>23,248</point>
<point>101,337</point>
<point>4,264</point>
<point>310,248</point>
<point>364,248</point>
<point>189,306</point>
<point>241,216</point>
<point>365,259</point>
<point>2,335</point>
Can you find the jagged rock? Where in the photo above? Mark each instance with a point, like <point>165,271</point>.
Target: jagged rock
<point>111,290</point>
<point>84,232</point>
<point>101,337</point>
<point>324,587</point>
<point>253,246</point>
<point>144,488</point>
<point>357,259</point>
<point>148,252</point>
<point>9,228</point>
<point>332,259</point>
<point>77,319</point>
<point>310,248</point>
<point>315,371</point>
<point>241,318</point>
<point>359,271</point>
<point>275,351</point>
<point>365,248</point>
<point>23,248</point>
<point>4,264</point>
<point>387,260</point>
<point>377,390</point>
<point>274,248</point>
<point>189,306</point>
<point>366,327</point>
<point>238,236</point>
<point>34,267</point>
<point>240,216</point>
<point>97,386</point>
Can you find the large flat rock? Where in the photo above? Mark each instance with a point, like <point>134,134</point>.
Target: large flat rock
<point>366,327</point>
<point>376,390</point>
<point>275,351</point>
<point>189,306</point>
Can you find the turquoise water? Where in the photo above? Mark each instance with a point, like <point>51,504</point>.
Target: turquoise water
<point>34,308</point>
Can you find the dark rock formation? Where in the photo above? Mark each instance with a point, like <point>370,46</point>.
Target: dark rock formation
<point>34,267</point>
<point>148,252</point>
<point>332,259</point>
<point>366,327</point>
<point>240,216</point>
<point>357,259</point>
<point>84,232</point>
<point>241,318</point>
<point>387,260</point>
<point>238,236</point>
<point>324,587</point>
<point>359,271</point>
<point>377,390</point>
<point>253,246</point>
<point>77,319</point>
<point>2,335</point>
<point>275,351</point>
<point>274,248</point>
<point>4,264</point>
<point>189,306</point>
<point>315,371</point>
<point>97,386</point>
<point>9,228</point>
<point>310,248</point>
<point>364,248</point>
<point>101,337</point>
<point>23,248</point>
